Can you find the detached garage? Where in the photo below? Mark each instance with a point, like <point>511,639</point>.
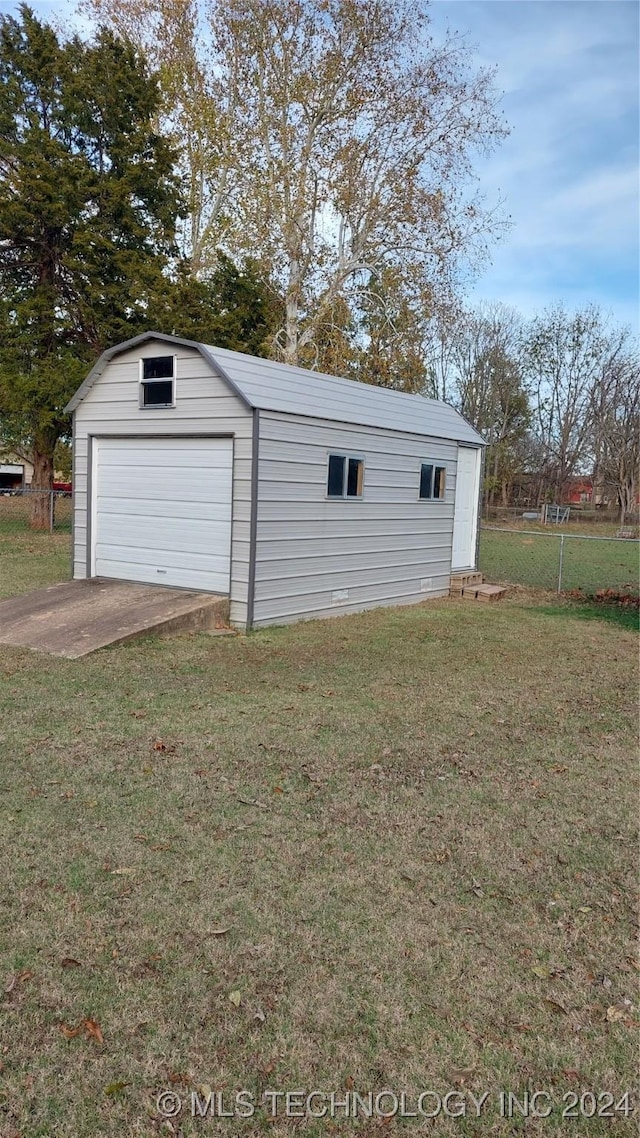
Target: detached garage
<point>296,494</point>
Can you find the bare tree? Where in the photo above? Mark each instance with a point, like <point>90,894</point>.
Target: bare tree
<point>564,356</point>
<point>331,139</point>
<point>197,112</point>
<point>616,423</point>
<point>480,358</point>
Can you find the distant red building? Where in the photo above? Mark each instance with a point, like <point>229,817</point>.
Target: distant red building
<point>577,491</point>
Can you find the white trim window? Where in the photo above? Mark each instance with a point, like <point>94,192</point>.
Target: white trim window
<point>157,382</point>
<point>345,476</point>
<point>432,481</point>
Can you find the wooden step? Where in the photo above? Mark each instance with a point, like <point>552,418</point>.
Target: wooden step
<point>483,592</point>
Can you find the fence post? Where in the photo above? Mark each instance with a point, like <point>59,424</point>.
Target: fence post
<point>51,510</point>
<point>560,564</point>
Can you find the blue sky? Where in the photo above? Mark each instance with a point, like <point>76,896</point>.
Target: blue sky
<point>568,70</point>
<point>568,173</point>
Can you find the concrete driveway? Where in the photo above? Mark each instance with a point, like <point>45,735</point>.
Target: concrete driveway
<point>79,617</point>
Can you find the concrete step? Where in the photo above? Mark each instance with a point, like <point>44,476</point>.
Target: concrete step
<point>78,617</point>
<point>483,592</point>
<point>459,581</point>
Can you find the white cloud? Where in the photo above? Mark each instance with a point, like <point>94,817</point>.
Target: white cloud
<point>569,170</point>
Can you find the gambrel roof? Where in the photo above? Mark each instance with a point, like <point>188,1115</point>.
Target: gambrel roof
<point>271,386</point>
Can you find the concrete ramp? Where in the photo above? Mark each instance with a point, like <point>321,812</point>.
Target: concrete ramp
<point>79,617</point>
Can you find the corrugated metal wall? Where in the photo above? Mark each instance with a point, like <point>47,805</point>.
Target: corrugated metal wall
<point>388,547</point>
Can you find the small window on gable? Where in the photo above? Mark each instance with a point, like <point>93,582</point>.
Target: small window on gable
<point>345,476</point>
<point>432,480</point>
<point>157,382</point>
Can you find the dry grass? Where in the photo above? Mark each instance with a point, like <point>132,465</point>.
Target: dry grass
<point>416,825</point>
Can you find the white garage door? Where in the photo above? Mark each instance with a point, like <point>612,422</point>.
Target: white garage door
<point>161,511</point>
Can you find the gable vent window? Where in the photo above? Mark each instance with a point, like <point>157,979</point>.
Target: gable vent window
<point>157,384</point>
<point>432,480</point>
<point>345,477</point>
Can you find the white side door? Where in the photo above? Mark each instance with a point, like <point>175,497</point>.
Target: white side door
<point>465,518</point>
<point>161,511</point>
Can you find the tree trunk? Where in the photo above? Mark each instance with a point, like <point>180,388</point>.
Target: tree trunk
<point>41,485</point>
<point>290,353</point>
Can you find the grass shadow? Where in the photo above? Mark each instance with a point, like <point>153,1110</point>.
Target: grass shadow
<point>624,616</point>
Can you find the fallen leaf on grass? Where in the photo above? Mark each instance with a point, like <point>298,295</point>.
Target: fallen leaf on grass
<point>462,1075</point>
<point>585,909</point>
<point>542,971</point>
<point>557,1007</point>
<point>70,1032</point>
<point>179,1078</point>
<point>221,932</point>
<point>123,871</point>
<point>70,962</point>
<point>17,978</point>
<point>235,998</point>
<point>115,1088</point>
<point>407,876</point>
<point>620,1013</point>
<point>93,1029</point>
<point>260,1016</point>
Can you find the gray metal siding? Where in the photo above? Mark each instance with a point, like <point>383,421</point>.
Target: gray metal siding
<point>204,405</point>
<point>382,547</point>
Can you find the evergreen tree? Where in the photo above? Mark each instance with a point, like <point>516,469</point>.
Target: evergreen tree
<point>232,307</point>
<point>88,209</point>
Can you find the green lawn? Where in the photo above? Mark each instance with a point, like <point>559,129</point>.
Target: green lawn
<point>30,560</point>
<point>526,558</point>
<point>396,850</point>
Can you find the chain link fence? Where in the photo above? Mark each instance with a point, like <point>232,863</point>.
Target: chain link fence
<point>570,516</point>
<point>558,561</point>
<point>35,511</point>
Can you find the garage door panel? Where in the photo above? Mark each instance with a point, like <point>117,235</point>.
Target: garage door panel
<point>150,574</point>
<point>148,508</point>
<point>183,490</point>
<point>207,538</point>
<point>147,460</point>
<point>162,511</point>
<point>171,558</point>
